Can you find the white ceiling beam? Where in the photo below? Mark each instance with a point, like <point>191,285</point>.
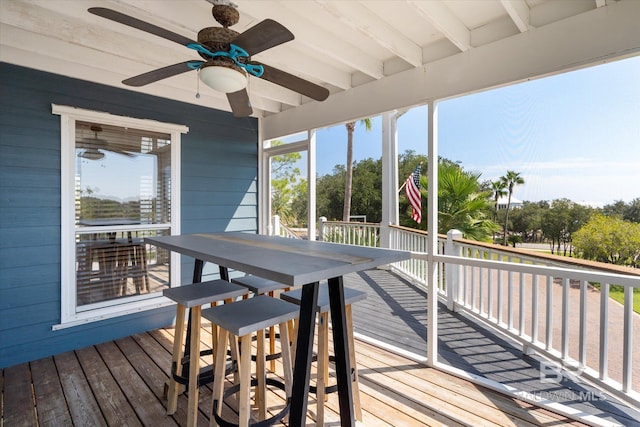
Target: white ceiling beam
<point>308,68</point>
<point>362,19</point>
<point>443,19</point>
<point>518,12</point>
<point>314,40</point>
<point>593,37</point>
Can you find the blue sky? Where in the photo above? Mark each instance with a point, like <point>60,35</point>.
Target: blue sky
<point>575,135</point>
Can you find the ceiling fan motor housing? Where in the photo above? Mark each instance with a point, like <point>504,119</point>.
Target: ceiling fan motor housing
<point>226,15</point>
<point>217,39</point>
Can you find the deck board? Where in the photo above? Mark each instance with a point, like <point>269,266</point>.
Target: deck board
<point>82,404</point>
<point>17,401</point>
<point>106,389</point>
<point>48,391</point>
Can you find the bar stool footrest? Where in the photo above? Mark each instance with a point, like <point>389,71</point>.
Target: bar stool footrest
<point>204,377</point>
<point>264,423</point>
<point>268,357</point>
<point>331,388</point>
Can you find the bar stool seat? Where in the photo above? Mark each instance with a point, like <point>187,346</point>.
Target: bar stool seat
<point>242,319</point>
<point>322,388</point>
<point>261,286</point>
<point>186,370</point>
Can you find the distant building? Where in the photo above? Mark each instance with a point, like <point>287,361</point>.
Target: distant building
<point>515,203</point>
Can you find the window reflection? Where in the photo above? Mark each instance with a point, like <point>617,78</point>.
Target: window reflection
<point>122,194</point>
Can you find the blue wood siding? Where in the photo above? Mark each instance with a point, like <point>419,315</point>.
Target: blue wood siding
<point>219,193</point>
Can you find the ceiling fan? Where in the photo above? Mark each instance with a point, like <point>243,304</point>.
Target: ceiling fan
<point>226,56</point>
<point>94,148</point>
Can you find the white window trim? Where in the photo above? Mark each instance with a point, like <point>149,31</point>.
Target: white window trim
<point>69,316</point>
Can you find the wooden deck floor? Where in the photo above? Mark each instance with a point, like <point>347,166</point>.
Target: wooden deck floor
<point>121,383</point>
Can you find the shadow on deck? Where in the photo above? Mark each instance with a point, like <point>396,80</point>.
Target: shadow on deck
<point>394,313</point>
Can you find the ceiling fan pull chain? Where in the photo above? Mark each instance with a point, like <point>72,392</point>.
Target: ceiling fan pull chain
<point>198,84</point>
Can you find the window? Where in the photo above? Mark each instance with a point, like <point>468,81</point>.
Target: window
<point>289,175</point>
<point>119,185</point>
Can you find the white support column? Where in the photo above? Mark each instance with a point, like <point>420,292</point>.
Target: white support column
<point>264,197</point>
<point>432,238</point>
<point>311,184</point>
<point>389,176</point>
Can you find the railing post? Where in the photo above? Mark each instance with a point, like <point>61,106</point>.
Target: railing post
<point>321,222</point>
<point>275,225</point>
<point>452,279</point>
<point>385,235</point>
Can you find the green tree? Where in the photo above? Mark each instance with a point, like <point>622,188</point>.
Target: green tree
<point>616,208</point>
<point>561,221</point>
<point>527,221</point>
<point>461,202</point>
<point>300,203</point>
<point>348,185</point>
<point>330,194</point>
<point>609,239</point>
<point>511,179</point>
<point>367,191</point>
<point>630,212</point>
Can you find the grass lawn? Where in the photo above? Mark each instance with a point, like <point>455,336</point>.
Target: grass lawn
<point>617,293</point>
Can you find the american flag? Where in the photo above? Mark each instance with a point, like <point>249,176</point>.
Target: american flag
<point>412,187</point>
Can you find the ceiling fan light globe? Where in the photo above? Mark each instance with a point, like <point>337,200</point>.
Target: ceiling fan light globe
<point>92,154</point>
<point>223,79</point>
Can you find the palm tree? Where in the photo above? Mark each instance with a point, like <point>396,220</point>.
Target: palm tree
<point>461,203</point>
<point>498,189</point>
<point>510,180</point>
<point>348,184</point>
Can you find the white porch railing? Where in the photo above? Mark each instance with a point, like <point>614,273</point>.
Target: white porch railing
<point>554,306</point>
<point>279,229</point>
<point>349,233</point>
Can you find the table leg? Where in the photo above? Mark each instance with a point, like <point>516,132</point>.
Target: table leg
<point>304,352</point>
<point>341,351</point>
<point>224,273</point>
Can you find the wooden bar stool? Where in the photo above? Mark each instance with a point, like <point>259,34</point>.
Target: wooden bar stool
<point>186,370</point>
<point>260,286</point>
<point>322,388</point>
<point>242,319</point>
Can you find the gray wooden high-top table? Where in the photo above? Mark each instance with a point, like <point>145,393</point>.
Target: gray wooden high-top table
<point>293,262</point>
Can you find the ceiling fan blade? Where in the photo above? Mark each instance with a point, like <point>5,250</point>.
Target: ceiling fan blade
<point>294,83</point>
<point>240,104</point>
<point>160,73</point>
<point>141,25</point>
<point>263,36</point>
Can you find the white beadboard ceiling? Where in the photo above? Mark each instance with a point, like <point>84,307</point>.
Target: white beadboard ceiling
<point>373,55</point>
